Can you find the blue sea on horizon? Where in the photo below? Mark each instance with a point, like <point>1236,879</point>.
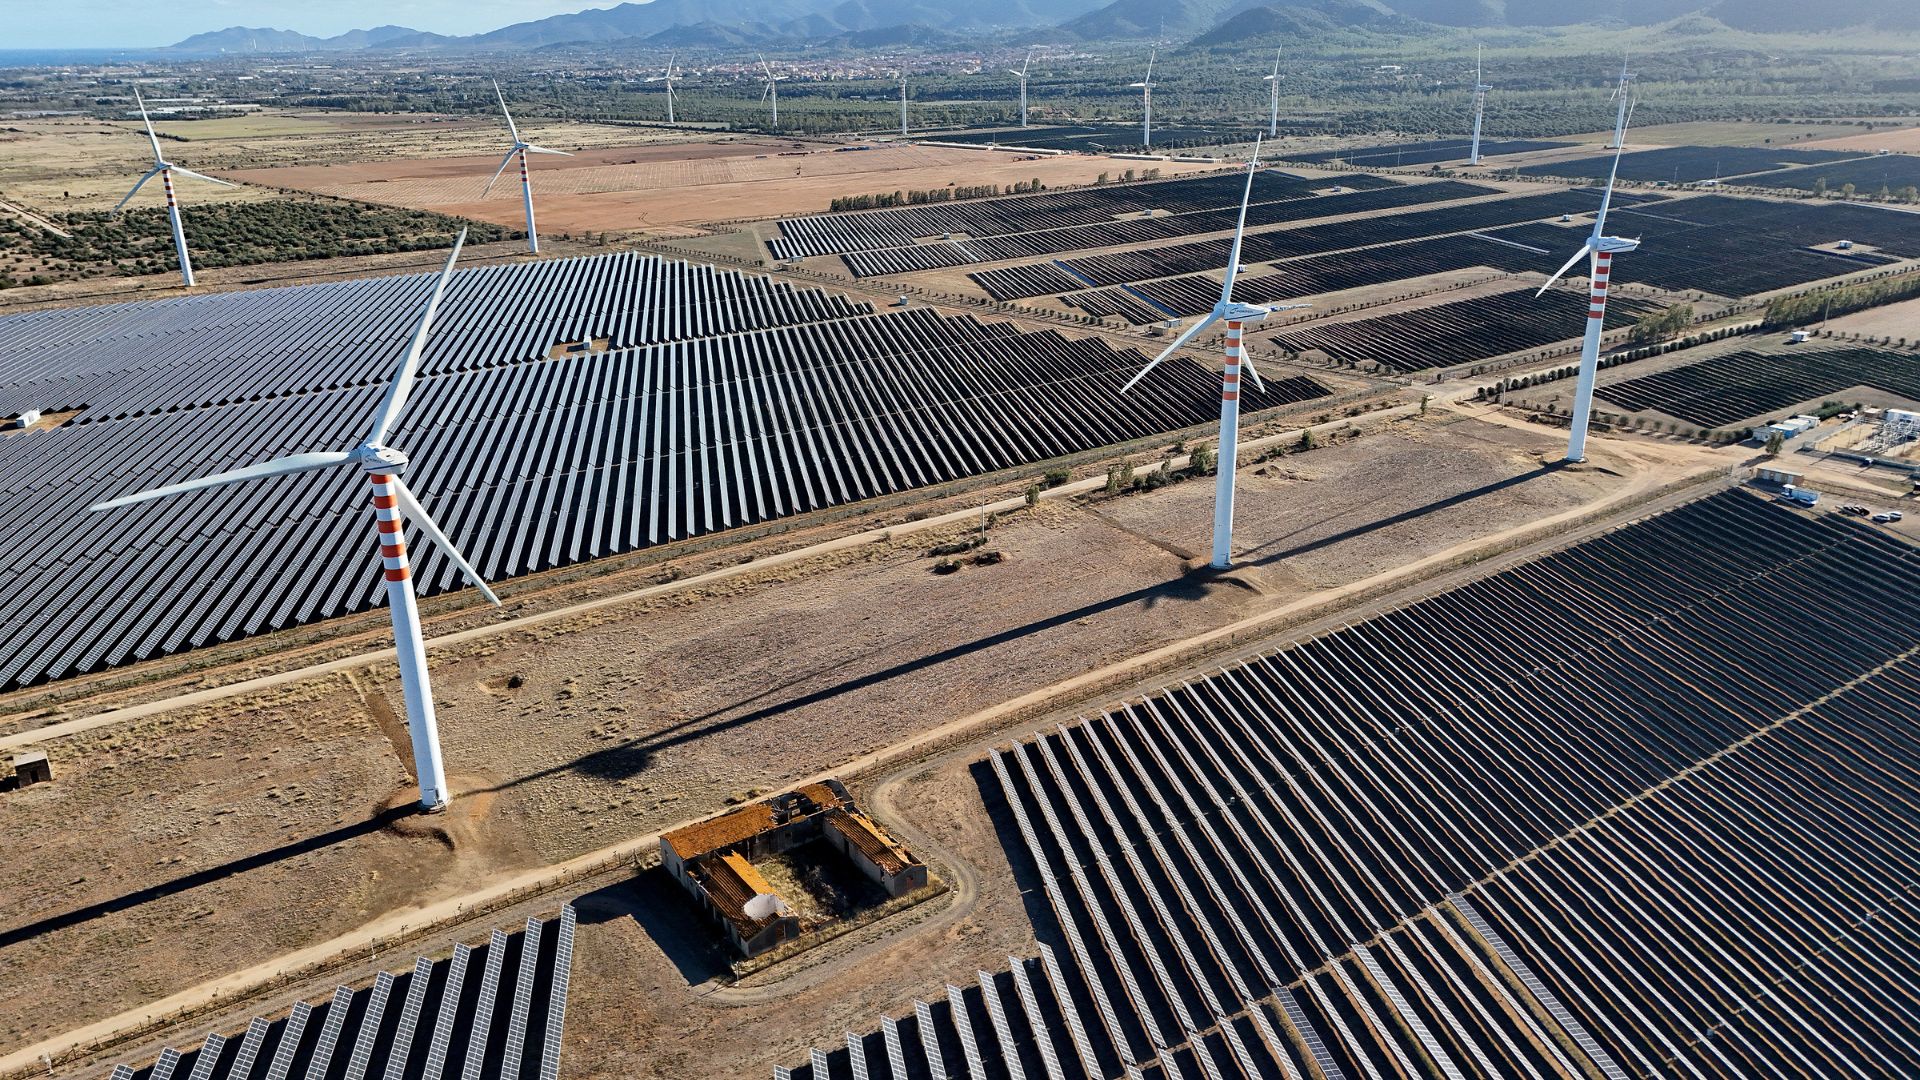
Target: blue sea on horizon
<point>10,58</point>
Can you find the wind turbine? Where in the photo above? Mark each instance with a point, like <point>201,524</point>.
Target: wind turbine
<point>668,79</point>
<point>1480,89</point>
<point>391,497</point>
<point>165,169</point>
<point>903,101</point>
<point>521,148</point>
<point>1145,86</point>
<point>772,92</point>
<point>1601,248</point>
<point>1273,86</point>
<point>1623,93</point>
<point>1235,315</point>
<point>1022,76</point>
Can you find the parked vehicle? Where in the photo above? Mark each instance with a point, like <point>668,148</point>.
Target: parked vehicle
<point>1889,517</point>
<point>1855,509</point>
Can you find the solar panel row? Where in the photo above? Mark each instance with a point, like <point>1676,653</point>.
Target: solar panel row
<point>1366,855</point>
<point>540,463</point>
<point>384,1037</point>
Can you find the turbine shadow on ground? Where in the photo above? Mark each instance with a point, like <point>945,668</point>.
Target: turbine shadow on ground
<point>67,920</point>
<point>1264,555</point>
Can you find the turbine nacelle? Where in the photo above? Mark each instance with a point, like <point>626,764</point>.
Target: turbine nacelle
<point>380,458</point>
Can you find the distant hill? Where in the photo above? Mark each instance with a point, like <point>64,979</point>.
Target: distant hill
<point>1306,18</point>
<point>878,23</point>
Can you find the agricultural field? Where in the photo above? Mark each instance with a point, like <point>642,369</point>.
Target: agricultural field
<point>138,241</point>
<point>1097,139</point>
<point>672,184</point>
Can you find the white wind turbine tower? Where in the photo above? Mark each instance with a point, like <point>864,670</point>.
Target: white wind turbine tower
<point>1145,86</point>
<point>1235,315</point>
<point>1480,89</point>
<point>772,92</point>
<point>1022,76</point>
<point>1601,248</point>
<point>668,79</point>
<point>391,498</point>
<point>903,101</point>
<point>1273,89</point>
<point>521,148</point>
<point>165,169</point>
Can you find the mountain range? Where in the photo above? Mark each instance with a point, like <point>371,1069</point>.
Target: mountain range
<point>692,23</point>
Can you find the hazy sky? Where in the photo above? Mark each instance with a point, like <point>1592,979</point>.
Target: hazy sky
<point>72,24</point>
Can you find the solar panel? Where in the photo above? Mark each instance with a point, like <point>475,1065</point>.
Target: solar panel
<point>963,1025</point>
<point>122,1072</point>
<point>522,999</point>
<point>409,1019</point>
<point>1042,1033</point>
<point>557,996</point>
<point>329,1034</point>
<point>929,1040</point>
<point>1081,1044</point>
<point>1002,1033</point>
<point>243,1059</point>
<point>444,1016</point>
<point>818,1059</point>
<point>1547,998</point>
<point>208,1057</point>
<point>369,1027</point>
<point>289,1041</point>
<point>896,1054</point>
<point>163,1068</point>
<point>483,1011</point>
<point>857,1056</point>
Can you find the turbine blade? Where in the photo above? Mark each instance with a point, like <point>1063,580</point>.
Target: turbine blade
<point>412,508</point>
<point>532,149</point>
<point>138,184</point>
<point>504,162</point>
<point>199,176</point>
<point>402,384</point>
<point>147,120</point>
<point>1186,336</point>
<point>1246,365</point>
<point>1585,249</point>
<point>1240,229</point>
<point>292,463</point>
<point>514,131</point>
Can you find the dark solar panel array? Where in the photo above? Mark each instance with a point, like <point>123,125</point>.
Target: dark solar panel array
<point>1422,153</point>
<point>1687,164</point>
<point>1867,175</point>
<point>1725,390</point>
<point>528,464</point>
<point>1459,332</point>
<point>832,234</point>
<point>902,260</point>
<point>1192,294</point>
<point>1738,247</point>
<point>159,355</point>
<point>1106,138</point>
<point>1119,268</point>
<point>1370,853</point>
<point>435,1022</point>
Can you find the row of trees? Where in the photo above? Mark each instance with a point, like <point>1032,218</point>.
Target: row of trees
<point>1818,305</point>
<point>919,197</point>
<point>1660,325</point>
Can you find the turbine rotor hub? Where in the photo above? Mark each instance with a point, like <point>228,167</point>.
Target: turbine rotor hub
<point>377,458</point>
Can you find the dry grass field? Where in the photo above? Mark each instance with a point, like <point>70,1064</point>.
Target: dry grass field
<point>655,187</point>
